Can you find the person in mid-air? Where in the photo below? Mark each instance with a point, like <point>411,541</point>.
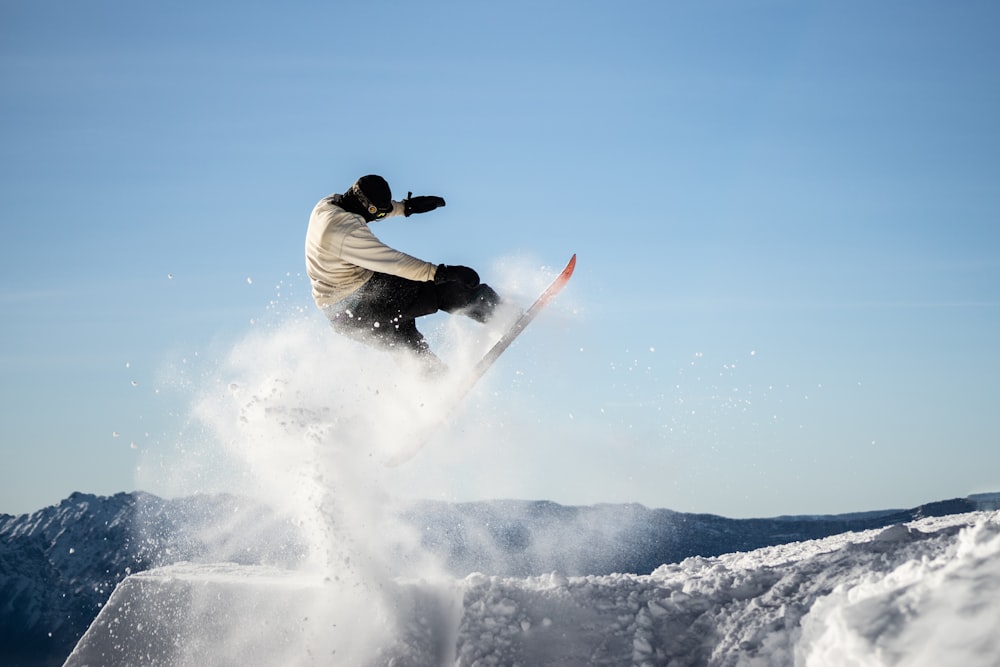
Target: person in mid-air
<point>373,293</point>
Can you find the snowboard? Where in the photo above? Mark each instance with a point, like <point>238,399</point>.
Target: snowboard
<point>484,364</point>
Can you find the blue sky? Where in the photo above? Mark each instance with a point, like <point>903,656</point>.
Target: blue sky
<point>788,292</point>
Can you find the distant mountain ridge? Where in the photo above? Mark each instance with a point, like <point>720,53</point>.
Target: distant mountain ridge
<point>524,538</point>
<point>60,564</point>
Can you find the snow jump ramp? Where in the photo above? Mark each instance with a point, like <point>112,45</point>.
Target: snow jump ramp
<point>922,593</point>
<point>239,615</point>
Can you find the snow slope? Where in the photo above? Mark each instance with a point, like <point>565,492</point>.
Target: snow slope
<point>373,586</point>
<point>59,565</point>
<point>922,593</point>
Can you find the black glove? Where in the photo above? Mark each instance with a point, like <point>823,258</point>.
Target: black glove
<point>456,274</point>
<point>420,204</point>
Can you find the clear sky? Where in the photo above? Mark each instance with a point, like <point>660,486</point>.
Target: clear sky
<point>787,217</point>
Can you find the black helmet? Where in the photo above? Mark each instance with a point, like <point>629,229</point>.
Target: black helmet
<point>373,196</point>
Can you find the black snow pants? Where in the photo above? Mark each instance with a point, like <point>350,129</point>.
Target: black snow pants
<point>383,311</point>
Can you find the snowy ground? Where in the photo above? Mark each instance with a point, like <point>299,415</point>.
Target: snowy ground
<point>927,593</point>
<point>272,424</point>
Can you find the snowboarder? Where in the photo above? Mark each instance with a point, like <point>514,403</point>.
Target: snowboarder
<point>373,293</point>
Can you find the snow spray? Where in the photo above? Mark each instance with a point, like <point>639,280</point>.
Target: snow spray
<point>301,421</point>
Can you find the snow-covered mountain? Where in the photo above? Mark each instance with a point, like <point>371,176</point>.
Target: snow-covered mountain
<point>58,566</point>
<point>522,538</point>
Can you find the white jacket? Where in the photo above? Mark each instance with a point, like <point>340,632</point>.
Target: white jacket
<point>342,254</point>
